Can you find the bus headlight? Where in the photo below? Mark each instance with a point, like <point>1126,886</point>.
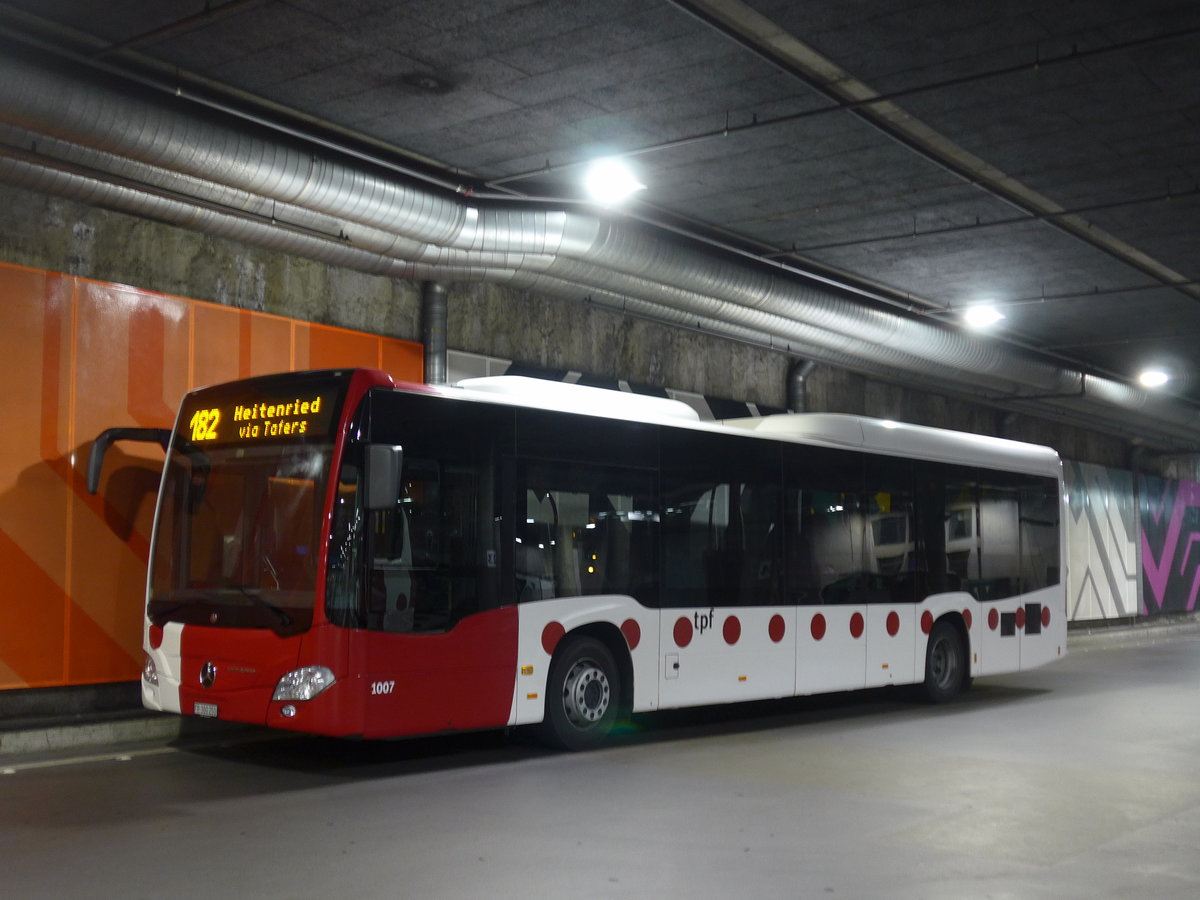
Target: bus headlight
<point>149,670</point>
<point>303,684</point>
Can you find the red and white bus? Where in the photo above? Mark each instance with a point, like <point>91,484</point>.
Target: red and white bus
<point>339,554</point>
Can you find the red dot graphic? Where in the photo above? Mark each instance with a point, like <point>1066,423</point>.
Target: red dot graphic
<point>967,617</point>
<point>777,629</point>
<point>818,627</point>
<point>1020,617</point>
<point>893,623</point>
<point>633,633</point>
<point>683,632</point>
<point>927,621</point>
<point>993,619</point>
<point>551,635</point>
<point>732,630</point>
<point>1045,617</point>
<point>156,636</point>
<point>857,624</point>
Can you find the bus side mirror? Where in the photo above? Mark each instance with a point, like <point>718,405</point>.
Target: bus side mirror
<point>383,475</point>
<point>160,436</point>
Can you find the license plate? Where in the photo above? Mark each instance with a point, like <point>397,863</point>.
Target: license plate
<point>205,709</point>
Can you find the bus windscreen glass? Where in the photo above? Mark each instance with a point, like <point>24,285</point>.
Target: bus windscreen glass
<point>239,523</point>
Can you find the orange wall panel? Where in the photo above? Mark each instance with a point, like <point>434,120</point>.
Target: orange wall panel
<point>34,609</point>
<point>271,347</point>
<point>402,356</point>
<point>133,340</point>
<point>222,353</point>
<point>131,368</point>
<point>335,348</point>
<point>34,405</point>
<point>83,356</point>
<point>35,402</point>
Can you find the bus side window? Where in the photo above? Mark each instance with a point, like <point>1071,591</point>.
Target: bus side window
<point>1000,542</point>
<point>722,521</point>
<point>827,525</point>
<point>584,530</point>
<point>840,529</point>
<point>721,544</point>
<point>1018,527</point>
<point>1039,505</point>
<point>430,568</point>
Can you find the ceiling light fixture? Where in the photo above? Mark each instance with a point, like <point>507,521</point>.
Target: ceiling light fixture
<point>1153,378</point>
<point>609,181</point>
<point>981,315</point>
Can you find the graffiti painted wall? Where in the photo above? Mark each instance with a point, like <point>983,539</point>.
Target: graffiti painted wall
<point>80,356</point>
<point>1170,514</point>
<point>1102,542</point>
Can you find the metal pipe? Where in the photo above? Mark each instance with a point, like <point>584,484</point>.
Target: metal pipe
<point>433,330</point>
<point>797,384</point>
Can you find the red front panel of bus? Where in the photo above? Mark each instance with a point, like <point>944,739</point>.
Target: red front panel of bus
<point>427,683</point>
<point>230,673</point>
<point>387,685</point>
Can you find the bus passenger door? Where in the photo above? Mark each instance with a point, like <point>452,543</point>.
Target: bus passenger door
<point>438,652</point>
<point>828,579</point>
<point>724,635</point>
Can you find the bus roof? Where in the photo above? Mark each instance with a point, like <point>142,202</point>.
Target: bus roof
<point>827,429</point>
<point>578,398</point>
<point>903,439</point>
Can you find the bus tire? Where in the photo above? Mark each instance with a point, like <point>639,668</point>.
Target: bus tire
<point>583,694</point>
<point>945,663</point>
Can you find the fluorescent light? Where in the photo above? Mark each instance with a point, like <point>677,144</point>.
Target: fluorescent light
<point>982,315</point>
<point>1153,378</point>
<point>610,181</point>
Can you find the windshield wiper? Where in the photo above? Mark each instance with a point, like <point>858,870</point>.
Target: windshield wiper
<point>158,616</point>
<point>255,595</point>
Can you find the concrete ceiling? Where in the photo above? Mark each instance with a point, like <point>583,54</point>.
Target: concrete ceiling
<point>1043,154</point>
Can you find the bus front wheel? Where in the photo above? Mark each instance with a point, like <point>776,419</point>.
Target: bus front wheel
<point>945,663</point>
<point>582,695</point>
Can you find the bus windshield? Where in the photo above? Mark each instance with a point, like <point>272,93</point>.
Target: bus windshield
<point>239,522</point>
<point>237,537</point>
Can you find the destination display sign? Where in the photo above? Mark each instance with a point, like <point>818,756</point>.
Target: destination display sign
<point>238,414</point>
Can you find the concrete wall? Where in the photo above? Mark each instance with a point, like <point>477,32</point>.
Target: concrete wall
<point>74,239</point>
<point>576,335</point>
<point>492,320</point>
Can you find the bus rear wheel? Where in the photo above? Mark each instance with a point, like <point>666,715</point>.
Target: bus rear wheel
<point>582,696</point>
<point>945,663</point>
